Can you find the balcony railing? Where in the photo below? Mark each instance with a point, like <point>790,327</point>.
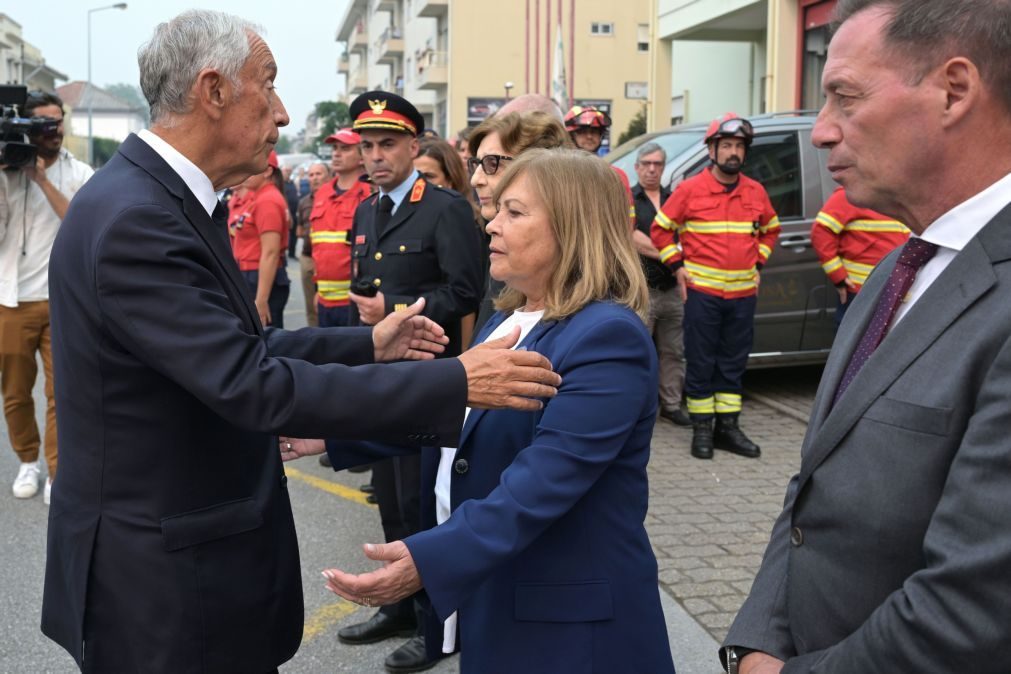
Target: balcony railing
<point>433,70</point>
<point>390,45</point>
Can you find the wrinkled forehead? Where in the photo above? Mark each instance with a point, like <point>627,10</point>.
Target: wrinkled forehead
<point>260,57</point>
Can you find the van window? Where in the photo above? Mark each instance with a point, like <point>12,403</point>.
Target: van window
<point>774,161</point>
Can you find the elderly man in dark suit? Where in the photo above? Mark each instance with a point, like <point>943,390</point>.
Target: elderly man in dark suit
<point>171,541</point>
<point>893,550</point>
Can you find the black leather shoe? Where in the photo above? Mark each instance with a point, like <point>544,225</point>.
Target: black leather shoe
<point>366,489</point>
<point>378,627</point>
<point>702,436</point>
<point>324,460</point>
<point>410,657</point>
<point>371,498</point>
<point>678,416</point>
<point>729,437</point>
<point>364,468</point>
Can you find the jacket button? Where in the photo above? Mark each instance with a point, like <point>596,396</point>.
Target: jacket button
<point>403,249</point>
<point>796,537</point>
<point>379,256</point>
<point>378,282</point>
<point>461,466</point>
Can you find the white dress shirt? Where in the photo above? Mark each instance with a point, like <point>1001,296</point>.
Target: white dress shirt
<point>951,232</point>
<point>443,508</point>
<point>195,179</point>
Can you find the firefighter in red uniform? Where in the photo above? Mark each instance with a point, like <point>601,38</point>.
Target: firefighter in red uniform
<point>587,126</point>
<point>333,212</point>
<point>716,231</point>
<point>849,241</point>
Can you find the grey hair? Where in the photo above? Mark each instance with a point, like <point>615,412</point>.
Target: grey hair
<point>326,167</point>
<point>928,32</point>
<point>650,148</point>
<point>181,48</point>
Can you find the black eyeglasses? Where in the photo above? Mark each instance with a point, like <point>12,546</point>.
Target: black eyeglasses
<point>488,163</point>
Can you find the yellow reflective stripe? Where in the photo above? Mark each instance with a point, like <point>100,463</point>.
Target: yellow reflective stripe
<point>728,403</point>
<point>328,237</point>
<point>857,271</point>
<point>722,285</point>
<point>880,226</point>
<point>631,211</point>
<point>773,224</point>
<point>333,290</point>
<point>828,222</point>
<point>764,251</point>
<point>720,274</point>
<point>663,221</point>
<point>832,265</point>
<point>668,252</point>
<point>701,405</point>
<point>721,227</point>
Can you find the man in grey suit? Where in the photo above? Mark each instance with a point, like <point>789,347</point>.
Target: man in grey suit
<point>893,550</point>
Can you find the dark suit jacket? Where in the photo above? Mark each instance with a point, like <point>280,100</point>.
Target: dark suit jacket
<point>171,542</point>
<point>545,556</point>
<point>893,550</point>
<point>430,248</point>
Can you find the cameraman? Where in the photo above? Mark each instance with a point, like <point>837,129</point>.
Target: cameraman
<point>36,198</point>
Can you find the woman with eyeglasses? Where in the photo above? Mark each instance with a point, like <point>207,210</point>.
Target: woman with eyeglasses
<point>493,144</point>
<point>534,553</point>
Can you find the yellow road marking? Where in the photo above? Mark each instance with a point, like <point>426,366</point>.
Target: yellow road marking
<point>328,486</point>
<point>326,617</point>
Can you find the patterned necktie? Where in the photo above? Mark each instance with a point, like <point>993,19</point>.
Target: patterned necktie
<point>385,211</point>
<point>914,255</point>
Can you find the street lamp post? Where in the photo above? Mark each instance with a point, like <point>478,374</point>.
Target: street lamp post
<point>87,88</point>
<point>508,87</point>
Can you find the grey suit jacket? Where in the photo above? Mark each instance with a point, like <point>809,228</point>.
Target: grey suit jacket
<point>893,550</point>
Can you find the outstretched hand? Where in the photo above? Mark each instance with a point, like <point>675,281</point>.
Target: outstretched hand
<point>498,377</point>
<point>296,448</point>
<point>408,335</point>
<point>397,579</point>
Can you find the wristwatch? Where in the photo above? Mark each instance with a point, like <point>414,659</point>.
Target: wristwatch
<point>734,656</point>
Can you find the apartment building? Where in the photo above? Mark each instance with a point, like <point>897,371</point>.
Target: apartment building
<point>22,62</point>
<point>460,60</point>
<point>751,56</point>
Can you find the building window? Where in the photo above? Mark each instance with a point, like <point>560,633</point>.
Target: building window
<point>642,37</point>
<point>598,28</point>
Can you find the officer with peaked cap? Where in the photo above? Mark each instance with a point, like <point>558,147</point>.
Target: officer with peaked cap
<point>410,240</point>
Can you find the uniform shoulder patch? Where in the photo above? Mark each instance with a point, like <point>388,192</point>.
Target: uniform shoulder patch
<point>419,190</point>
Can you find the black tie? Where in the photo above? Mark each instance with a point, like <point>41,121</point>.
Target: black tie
<point>385,211</point>
<point>220,219</point>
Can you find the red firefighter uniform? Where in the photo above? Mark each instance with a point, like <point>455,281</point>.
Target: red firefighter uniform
<point>623,177</point>
<point>722,238</point>
<point>850,240</point>
<point>329,228</point>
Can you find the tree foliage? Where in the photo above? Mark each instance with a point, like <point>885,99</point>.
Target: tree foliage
<point>332,115</point>
<point>283,145</point>
<point>636,127</point>
<point>132,94</point>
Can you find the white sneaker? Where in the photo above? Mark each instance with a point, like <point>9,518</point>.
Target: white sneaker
<point>47,492</point>
<point>26,484</point>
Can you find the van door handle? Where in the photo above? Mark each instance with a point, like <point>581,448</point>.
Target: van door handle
<point>797,242</point>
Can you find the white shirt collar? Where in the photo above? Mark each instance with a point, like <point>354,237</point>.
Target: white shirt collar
<point>195,179</point>
<point>956,228</point>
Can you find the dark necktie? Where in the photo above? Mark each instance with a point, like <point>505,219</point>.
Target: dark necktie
<point>220,219</point>
<point>914,255</point>
<point>383,217</point>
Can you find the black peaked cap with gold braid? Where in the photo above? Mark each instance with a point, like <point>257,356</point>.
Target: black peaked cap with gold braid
<point>385,111</point>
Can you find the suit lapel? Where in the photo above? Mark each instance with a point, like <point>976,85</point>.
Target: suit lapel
<point>141,154</point>
<point>969,276</point>
<point>529,343</point>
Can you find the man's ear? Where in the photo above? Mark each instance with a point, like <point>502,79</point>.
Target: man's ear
<point>415,147</point>
<point>962,86</point>
<point>212,91</point>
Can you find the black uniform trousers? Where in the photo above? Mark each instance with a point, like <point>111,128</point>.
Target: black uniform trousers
<point>718,337</point>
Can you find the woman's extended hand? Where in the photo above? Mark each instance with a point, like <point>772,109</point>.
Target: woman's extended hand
<point>397,579</point>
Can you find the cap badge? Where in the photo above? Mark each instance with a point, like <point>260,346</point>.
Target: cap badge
<point>378,107</point>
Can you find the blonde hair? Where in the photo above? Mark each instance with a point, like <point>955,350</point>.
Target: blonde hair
<point>519,132</point>
<point>588,212</point>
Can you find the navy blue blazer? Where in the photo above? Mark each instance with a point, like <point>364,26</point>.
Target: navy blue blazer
<point>545,556</point>
<point>171,545</point>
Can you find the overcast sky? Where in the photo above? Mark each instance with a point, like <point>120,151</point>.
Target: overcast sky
<point>299,32</point>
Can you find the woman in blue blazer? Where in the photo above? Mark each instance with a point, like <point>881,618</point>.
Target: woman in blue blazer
<point>540,561</point>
